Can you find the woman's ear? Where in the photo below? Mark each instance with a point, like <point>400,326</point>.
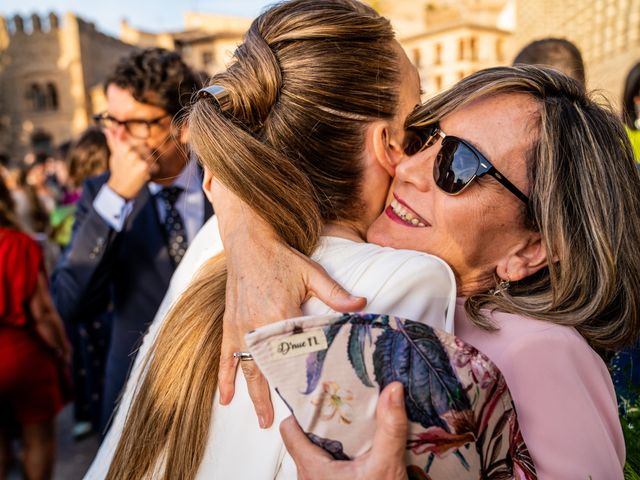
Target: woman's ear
<point>525,259</point>
<point>182,132</point>
<point>386,147</point>
<point>207,184</point>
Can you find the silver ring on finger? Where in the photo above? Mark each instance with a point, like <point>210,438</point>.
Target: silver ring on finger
<point>243,356</point>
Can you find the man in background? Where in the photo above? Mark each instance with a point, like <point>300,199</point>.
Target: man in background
<point>134,223</point>
<point>556,53</point>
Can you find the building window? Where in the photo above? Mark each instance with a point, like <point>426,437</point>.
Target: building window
<point>207,59</point>
<point>52,97</point>
<point>42,98</point>
<point>417,58</point>
<point>437,54</point>
<point>499,50</point>
<point>437,82</point>
<point>461,49</point>
<point>473,46</point>
<point>36,98</point>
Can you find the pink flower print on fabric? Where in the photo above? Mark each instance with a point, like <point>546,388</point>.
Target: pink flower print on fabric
<point>438,441</point>
<point>523,468</point>
<point>483,370</point>
<point>334,400</point>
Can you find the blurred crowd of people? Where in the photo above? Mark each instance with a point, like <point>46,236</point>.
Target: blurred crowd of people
<point>37,214</point>
<point>111,213</point>
<point>42,192</point>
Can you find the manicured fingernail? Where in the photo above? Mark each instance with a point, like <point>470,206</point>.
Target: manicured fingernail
<point>262,421</point>
<point>396,395</point>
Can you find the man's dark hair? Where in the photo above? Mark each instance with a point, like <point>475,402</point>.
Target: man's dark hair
<point>156,76</point>
<point>557,53</point>
<point>62,150</point>
<point>41,159</point>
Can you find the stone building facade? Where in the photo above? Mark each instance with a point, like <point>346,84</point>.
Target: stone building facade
<point>606,31</point>
<point>206,43</point>
<point>446,55</point>
<point>48,69</point>
<point>448,40</point>
<point>51,72</point>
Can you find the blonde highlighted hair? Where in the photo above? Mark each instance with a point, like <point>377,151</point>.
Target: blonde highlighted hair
<point>286,135</point>
<point>584,200</point>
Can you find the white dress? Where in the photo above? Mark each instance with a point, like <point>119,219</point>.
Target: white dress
<point>403,283</point>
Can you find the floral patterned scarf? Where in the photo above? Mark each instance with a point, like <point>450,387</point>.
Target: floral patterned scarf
<point>330,370</point>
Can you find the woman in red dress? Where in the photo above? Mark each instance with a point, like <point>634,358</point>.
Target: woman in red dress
<point>33,348</point>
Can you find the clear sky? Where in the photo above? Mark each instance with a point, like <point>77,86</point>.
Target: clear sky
<point>150,15</point>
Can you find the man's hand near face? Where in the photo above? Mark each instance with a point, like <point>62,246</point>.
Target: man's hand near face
<point>129,164</point>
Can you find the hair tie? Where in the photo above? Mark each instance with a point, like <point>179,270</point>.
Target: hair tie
<point>211,92</point>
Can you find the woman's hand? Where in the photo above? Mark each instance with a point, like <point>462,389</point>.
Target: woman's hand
<point>267,281</point>
<point>385,460</point>
<point>47,322</point>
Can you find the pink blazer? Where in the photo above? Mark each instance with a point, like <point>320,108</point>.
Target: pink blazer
<point>562,392</point>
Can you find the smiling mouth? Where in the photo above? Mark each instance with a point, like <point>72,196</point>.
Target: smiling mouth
<point>399,212</point>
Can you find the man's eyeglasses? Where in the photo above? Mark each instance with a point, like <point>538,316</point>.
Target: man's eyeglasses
<point>458,163</point>
<point>137,128</point>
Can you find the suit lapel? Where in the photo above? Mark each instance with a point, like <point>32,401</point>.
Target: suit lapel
<point>147,236</point>
<point>142,201</point>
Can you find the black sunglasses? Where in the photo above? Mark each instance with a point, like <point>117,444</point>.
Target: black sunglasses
<point>458,163</point>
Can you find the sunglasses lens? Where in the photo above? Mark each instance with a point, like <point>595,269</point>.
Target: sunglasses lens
<point>455,166</point>
<point>417,140</point>
<point>412,143</point>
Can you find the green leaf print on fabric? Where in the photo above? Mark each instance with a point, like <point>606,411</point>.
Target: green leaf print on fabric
<point>414,356</point>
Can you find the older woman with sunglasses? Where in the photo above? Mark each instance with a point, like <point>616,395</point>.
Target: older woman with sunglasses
<point>528,189</point>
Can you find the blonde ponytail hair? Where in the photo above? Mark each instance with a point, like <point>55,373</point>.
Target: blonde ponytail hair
<point>286,136</point>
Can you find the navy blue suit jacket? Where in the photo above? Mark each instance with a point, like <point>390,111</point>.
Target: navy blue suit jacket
<point>128,270</point>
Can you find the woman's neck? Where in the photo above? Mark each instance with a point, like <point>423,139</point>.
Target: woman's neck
<point>347,230</point>
<point>477,282</point>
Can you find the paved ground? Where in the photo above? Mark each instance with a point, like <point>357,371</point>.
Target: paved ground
<point>74,458</point>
